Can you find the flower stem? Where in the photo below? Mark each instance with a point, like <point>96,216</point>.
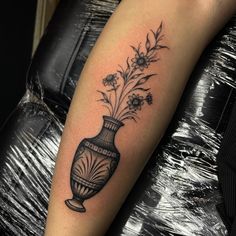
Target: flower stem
<point>121,112</point>
<point>115,107</point>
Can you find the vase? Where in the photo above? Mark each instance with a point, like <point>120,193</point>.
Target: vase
<point>94,163</point>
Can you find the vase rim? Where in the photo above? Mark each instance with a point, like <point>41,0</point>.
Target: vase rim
<point>113,120</point>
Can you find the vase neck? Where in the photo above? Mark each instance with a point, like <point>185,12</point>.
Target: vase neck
<point>109,129</point>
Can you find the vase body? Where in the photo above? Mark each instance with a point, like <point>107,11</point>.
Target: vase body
<point>94,163</point>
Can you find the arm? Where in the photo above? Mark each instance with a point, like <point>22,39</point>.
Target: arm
<point>127,81</point>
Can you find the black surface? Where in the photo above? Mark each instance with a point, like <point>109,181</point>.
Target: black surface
<point>17,19</point>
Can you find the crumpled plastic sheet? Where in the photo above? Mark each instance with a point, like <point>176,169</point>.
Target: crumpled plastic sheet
<point>65,61</point>
<point>27,171</point>
<point>178,190</point>
<point>30,139</point>
<point>96,14</point>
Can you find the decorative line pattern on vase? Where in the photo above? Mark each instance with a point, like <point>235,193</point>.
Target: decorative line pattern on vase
<point>96,159</point>
<point>100,150</point>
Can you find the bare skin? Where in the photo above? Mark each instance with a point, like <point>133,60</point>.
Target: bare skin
<point>187,28</point>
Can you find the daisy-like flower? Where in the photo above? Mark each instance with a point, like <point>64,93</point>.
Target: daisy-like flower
<point>111,80</point>
<point>135,102</point>
<point>140,61</point>
<point>149,99</point>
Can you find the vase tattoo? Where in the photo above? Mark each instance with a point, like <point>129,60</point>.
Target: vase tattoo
<point>126,93</point>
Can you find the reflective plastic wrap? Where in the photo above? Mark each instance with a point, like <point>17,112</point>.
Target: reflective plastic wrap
<point>64,50</point>
<point>178,191</point>
<point>29,144</point>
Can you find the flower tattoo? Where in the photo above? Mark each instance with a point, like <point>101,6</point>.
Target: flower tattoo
<point>110,80</point>
<point>128,92</point>
<point>149,99</point>
<point>140,61</point>
<point>135,102</point>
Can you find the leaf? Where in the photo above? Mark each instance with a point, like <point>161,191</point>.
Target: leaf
<point>161,47</point>
<point>154,34</point>
<point>157,33</point>
<point>114,88</point>
<point>148,44</point>
<point>143,80</point>
<point>108,108</point>
<point>127,71</point>
<point>105,98</point>
<point>128,65</point>
<point>135,76</point>
<point>141,89</point>
<point>121,73</point>
<point>154,60</point>
<point>102,100</point>
<point>135,49</point>
<point>129,118</point>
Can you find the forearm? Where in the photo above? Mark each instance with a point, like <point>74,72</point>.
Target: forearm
<point>146,91</point>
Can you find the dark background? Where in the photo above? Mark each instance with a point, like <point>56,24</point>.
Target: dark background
<point>17,19</point>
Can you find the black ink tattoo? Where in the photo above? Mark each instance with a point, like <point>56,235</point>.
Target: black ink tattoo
<point>96,158</point>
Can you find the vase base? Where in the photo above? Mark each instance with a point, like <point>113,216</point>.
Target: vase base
<point>75,205</point>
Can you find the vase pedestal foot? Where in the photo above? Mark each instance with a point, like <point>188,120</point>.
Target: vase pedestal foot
<point>75,205</point>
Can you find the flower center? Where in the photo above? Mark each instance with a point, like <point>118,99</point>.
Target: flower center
<point>141,61</point>
<point>110,77</point>
<point>136,102</point>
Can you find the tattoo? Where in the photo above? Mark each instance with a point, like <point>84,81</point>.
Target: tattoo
<point>97,158</point>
